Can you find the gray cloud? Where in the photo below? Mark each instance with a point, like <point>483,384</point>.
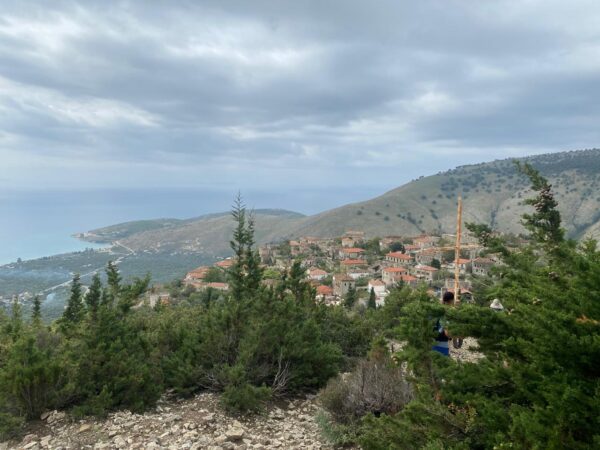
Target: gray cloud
<point>297,93</point>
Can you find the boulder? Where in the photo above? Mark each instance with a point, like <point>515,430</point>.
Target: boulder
<point>234,434</point>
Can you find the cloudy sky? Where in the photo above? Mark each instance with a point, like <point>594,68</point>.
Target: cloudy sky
<point>281,95</point>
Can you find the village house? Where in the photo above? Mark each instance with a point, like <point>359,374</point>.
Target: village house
<point>398,258</point>
<point>225,264</point>
<point>425,273</point>
<point>463,265</point>
<point>216,285</point>
<point>352,263</point>
<point>324,292</point>
<point>266,253</point>
<point>426,256</point>
<point>351,253</point>
<point>316,274</point>
<point>355,274</point>
<point>409,280</point>
<point>342,283</point>
<point>379,289</point>
<point>411,249</point>
<point>425,241</point>
<point>482,266</point>
<point>197,274</point>
<point>392,275</point>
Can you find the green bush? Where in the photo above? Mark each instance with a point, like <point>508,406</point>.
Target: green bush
<point>10,425</point>
<point>245,398</point>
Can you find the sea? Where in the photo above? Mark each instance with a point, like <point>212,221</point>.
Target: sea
<point>41,223</point>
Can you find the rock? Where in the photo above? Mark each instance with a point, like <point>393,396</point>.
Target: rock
<point>31,445</point>
<point>119,442</point>
<point>45,441</point>
<point>101,445</point>
<point>234,433</point>
<point>220,439</point>
<point>84,427</point>
<point>208,418</point>
<point>28,438</point>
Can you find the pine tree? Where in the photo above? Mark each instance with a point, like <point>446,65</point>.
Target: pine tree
<point>93,297</point>
<point>74,311</point>
<point>113,281</point>
<point>297,284</point>
<point>36,313</point>
<point>236,273</point>
<point>245,275</point>
<point>372,303</point>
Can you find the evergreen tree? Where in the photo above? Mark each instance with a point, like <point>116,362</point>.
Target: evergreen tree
<point>350,298</point>
<point>297,284</point>
<point>113,281</point>
<point>372,303</point>
<point>245,275</point>
<point>436,263</point>
<point>236,273</point>
<point>93,297</point>
<point>36,313</point>
<point>537,386</point>
<point>74,311</point>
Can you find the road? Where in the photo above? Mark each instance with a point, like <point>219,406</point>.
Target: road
<point>92,272</point>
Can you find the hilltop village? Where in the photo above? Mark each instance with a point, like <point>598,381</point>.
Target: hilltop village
<point>354,266</point>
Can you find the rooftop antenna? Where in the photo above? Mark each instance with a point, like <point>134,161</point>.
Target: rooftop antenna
<point>457,252</point>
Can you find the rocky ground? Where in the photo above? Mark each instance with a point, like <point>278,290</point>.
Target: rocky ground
<point>468,352</point>
<point>197,423</point>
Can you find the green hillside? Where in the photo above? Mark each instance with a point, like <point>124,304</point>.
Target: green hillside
<point>492,193</point>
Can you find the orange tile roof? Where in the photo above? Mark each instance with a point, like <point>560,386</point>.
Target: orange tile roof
<point>426,268</point>
<point>408,278</point>
<point>399,255</point>
<point>226,263</point>
<point>324,290</point>
<point>395,270</point>
<point>376,283</point>
<point>353,262</point>
<point>463,261</point>
<point>353,250</point>
<point>316,271</point>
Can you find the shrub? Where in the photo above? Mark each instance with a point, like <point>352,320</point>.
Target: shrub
<point>376,386</point>
<point>245,398</point>
<point>9,425</point>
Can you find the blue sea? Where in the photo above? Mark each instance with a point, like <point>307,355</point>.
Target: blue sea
<point>40,223</point>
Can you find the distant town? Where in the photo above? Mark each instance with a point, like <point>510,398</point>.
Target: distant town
<point>352,263</point>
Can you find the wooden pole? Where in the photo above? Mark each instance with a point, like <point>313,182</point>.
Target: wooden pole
<point>457,253</point>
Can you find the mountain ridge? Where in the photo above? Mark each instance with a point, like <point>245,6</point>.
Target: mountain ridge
<point>492,193</point>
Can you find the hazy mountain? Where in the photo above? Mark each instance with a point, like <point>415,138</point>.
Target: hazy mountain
<point>492,193</point>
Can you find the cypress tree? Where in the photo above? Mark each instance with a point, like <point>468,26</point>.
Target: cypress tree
<point>113,281</point>
<point>372,303</point>
<point>36,313</point>
<point>238,245</point>
<point>74,311</point>
<point>94,296</point>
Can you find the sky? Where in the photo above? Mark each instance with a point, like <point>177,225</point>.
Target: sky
<point>279,96</point>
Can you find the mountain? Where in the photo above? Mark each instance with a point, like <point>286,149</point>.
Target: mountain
<point>492,193</point>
